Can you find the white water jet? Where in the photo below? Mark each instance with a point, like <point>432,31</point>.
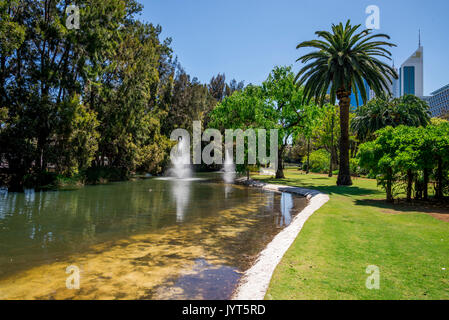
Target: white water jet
<point>229,168</point>
<point>181,195</point>
<point>180,160</point>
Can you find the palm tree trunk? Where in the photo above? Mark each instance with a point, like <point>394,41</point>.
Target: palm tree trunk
<point>332,148</point>
<point>344,175</point>
<point>280,166</point>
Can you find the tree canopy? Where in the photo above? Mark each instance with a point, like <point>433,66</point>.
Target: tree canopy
<point>345,59</point>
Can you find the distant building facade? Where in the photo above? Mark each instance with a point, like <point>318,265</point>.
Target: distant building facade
<point>392,87</point>
<point>411,81</point>
<point>353,97</point>
<point>439,102</point>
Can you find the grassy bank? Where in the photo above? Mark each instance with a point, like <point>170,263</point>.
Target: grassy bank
<point>355,229</point>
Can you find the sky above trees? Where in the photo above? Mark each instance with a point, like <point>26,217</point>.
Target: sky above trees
<point>246,39</point>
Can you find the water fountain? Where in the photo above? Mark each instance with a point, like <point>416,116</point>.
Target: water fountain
<point>180,160</point>
<point>229,168</point>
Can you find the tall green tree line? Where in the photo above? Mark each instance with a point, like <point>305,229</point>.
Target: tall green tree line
<point>105,95</point>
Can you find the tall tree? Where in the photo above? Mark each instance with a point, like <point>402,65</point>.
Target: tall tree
<point>328,133</point>
<point>384,111</point>
<point>343,61</point>
<point>293,117</point>
<point>217,87</point>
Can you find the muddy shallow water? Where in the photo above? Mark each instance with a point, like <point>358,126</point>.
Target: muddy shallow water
<point>145,239</point>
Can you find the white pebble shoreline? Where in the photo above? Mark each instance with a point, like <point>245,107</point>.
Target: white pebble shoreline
<point>255,281</point>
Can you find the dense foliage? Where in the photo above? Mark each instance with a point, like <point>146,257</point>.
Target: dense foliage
<point>276,104</point>
<point>409,159</point>
<point>384,111</point>
<point>91,102</point>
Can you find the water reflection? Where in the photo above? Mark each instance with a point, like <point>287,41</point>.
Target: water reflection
<point>131,233</point>
<point>227,190</point>
<point>286,210</point>
<point>181,194</point>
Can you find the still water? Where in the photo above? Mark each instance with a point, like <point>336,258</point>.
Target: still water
<point>144,239</point>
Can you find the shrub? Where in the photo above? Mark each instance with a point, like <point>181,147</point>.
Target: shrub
<point>319,161</point>
<point>41,181</point>
<point>96,175</point>
<point>400,156</point>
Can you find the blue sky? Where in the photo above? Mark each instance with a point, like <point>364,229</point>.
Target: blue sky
<point>245,39</point>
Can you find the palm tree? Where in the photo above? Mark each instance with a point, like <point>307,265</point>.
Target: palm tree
<point>344,60</point>
<point>384,111</point>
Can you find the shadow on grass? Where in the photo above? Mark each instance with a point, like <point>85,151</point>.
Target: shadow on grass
<point>402,206</point>
<point>330,190</point>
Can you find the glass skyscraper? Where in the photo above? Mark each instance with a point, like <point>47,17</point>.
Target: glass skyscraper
<point>439,102</point>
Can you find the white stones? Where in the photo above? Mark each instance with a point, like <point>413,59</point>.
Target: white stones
<point>255,282</point>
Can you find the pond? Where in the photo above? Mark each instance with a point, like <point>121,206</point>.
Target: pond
<point>143,239</point>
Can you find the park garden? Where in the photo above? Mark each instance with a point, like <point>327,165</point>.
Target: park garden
<point>97,105</point>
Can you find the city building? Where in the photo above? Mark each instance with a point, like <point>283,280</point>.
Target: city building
<point>439,102</point>
<point>411,81</point>
<point>353,98</point>
<point>411,74</point>
<point>393,87</point>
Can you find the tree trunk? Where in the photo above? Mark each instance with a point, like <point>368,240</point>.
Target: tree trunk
<point>409,185</point>
<point>280,167</point>
<point>308,156</point>
<point>439,189</point>
<point>426,184</point>
<point>332,148</point>
<point>389,186</point>
<point>2,81</point>
<point>344,175</point>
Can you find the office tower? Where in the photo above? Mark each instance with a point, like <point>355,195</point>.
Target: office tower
<point>439,102</point>
<point>393,87</point>
<point>411,74</point>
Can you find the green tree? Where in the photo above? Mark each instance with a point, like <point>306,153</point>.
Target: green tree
<point>343,61</point>
<point>244,110</point>
<point>378,156</point>
<point>292,117</point>
<point>384,111</point>
<point>73,97</point>
<point>328,133</point>
<point>404,154</point>
<point>277,104</point>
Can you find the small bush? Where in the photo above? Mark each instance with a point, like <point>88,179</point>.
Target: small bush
<point>99,175</point>
<point>304,166</point>
<point>41,181</point>
<point>319,161</point>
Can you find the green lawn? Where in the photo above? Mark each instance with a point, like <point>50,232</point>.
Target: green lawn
<point>356,229</point>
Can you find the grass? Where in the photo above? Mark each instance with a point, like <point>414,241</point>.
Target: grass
<point>328,260</point>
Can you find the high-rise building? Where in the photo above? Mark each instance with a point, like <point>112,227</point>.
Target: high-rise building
<point>392,87</point>
<point>411,74</point>
<point>359,96</point>
<point>439,102</point>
